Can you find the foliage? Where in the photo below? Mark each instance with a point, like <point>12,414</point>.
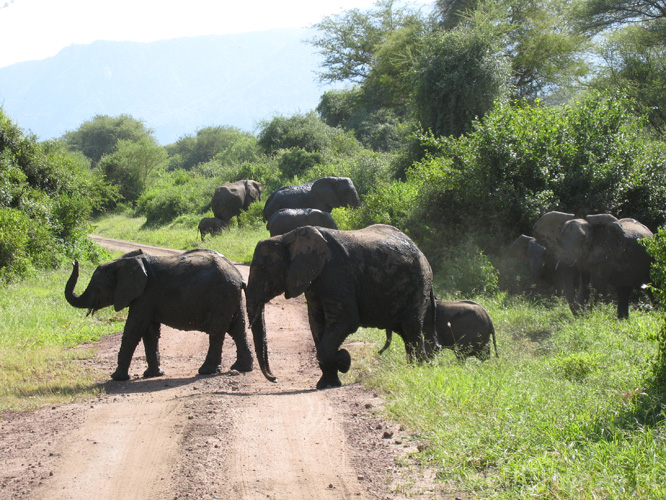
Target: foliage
<point>307,132</point>
<point>461,76</point>
<point>656,247</point>
<point>173,194</point>
<point>349,41</point>
<point>129,166</point>
<point>223,145</point>
<point>100,135</point>
<point>521,161</point>
<point>46,197</point>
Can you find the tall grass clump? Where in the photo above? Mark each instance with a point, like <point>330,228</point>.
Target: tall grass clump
<point>560,414</point>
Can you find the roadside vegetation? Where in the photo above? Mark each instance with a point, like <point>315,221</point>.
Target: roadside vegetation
<point>460,127</point>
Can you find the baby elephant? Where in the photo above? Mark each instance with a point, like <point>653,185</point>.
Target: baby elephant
<point>197,290</point>
<point>286,219</point>
<point>463,326</point>
<point>211,225</point>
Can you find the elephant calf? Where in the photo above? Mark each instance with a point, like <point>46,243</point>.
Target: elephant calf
<point>196,290</point>
<point>211,225</point>
<point>463,326</point>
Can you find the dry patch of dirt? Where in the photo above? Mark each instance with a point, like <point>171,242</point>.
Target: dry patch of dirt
<point>205,437</point>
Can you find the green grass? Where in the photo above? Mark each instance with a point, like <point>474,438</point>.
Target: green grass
<point>40,362</point>
<point>565,412</point>
<point>237,243</point>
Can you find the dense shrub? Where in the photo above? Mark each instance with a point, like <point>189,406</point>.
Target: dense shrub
<point>308,132</point>
<point>46,197</point>
<point>587,157</point>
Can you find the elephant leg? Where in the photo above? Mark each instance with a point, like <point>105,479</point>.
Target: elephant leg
<point>213,362</point>
<point>151,344</point>
<point>570,279</point>
<point>332,360</point>
<point>244,359</point>
<point>623,295</point>
<point>131,336</point>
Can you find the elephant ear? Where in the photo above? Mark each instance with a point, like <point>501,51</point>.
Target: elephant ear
<point>308,254</point>
<point>548,228</point>
<point>131,279</point>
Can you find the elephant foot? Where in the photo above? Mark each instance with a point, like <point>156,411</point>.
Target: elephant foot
<point>243,365</point>
<point>344,361</point>
<point>153,372</point>
<point>120,375</point>
<point>209,369</point>
<point>326,382</point>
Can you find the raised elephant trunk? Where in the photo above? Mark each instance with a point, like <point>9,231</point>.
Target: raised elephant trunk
<point>74,299</point>
<point>258,326</point>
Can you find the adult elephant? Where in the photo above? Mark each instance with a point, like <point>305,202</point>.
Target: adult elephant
<point>374,277</point>
<point>287,219</point>
<point>600,249</point>
<point>230,199</point>
<point>324,194</point>
<point>196,290</point>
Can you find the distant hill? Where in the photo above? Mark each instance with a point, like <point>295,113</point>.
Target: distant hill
<point>175,86</point>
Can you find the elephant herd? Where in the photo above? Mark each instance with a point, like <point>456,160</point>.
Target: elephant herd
<point>287,208</point>
<point>576,254</point>
<point>372,277</point>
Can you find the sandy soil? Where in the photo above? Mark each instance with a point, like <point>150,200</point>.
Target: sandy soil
<point>228,436</point>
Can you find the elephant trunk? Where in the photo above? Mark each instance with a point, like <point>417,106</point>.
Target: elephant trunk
<point>258,326</point>
<point>74,299</point>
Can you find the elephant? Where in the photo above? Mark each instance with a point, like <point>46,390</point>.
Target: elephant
<point>541,263</point>
<point>210,225</point>
<point>286,219</point>
<point>232,198</point>
<point>598,249</point>
<point>198,289</point>
<point>324,194</point>
<point>463,326</point>
<point>373,277</point>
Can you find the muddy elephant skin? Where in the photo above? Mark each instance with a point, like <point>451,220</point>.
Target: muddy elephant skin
<point>287,219</point>
<point>374,277</point>
<point>463,326</point>
<point>197,290</point>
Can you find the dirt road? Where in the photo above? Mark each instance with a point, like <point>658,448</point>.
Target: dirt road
<point>214,437</point>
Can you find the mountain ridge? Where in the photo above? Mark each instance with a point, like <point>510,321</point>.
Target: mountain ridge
<point>175,86</point>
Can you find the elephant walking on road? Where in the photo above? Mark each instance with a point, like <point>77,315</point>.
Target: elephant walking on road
<point>464,326</point>
<point>196,290</point>
<point>371,277</point>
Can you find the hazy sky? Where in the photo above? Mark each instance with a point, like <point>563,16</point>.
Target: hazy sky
<point>36,29</point>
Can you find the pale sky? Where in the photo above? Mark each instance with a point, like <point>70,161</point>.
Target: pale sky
<point>37,29</point>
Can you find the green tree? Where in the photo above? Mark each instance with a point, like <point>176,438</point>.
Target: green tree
<point>46,197</point>
<point>130,165</point>
<point>225,144</point>
<point>462,74</point>
<point>99,136</point>
<point>307,132</point>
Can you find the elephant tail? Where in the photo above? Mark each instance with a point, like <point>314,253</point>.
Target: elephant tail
<point>389,338</point>
<point>492,332</point>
